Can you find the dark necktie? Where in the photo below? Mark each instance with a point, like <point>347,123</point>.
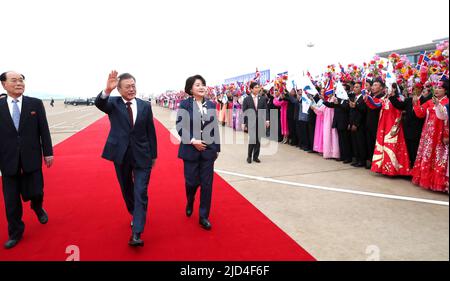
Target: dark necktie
<point>130,113</point>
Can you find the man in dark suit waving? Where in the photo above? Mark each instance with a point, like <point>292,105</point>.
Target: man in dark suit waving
<point>24,139</point>
<point>131,145</point>
<point>255,112</point>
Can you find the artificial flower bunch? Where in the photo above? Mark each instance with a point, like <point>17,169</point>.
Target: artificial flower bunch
<point>280,83</point>
<point>439,63</point>
<point>376,68</point>
<point>407,75</point>
<point>330,73</point>
<point>355,72</point>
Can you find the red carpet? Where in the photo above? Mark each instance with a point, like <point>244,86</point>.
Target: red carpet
<point>86,209</point>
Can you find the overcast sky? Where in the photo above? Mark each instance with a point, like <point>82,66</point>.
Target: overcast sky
<point>68,47</point>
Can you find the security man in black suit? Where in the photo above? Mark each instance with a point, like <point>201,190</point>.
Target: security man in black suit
<point>358,112</point>
<point>198,128</point>
<point>25,139</point>
<point>255,110</point>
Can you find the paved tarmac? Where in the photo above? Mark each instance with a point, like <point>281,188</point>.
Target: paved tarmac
<point>334,211</point>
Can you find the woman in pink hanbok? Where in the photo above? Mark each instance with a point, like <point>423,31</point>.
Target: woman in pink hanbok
<point>330,134</point>
<point>282,102</point>
<point>318,132</point>
<point>237,113</point>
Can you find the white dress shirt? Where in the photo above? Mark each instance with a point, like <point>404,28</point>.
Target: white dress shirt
<point>255,100</point>
<point>133,106</point>
<point>11,104</point>
<point>201,111</point>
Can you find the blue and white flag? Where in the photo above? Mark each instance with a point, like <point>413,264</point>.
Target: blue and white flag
<point>308,87</point>
<point>306,103</point>
<point>340,91</point>
<point>390,76</point>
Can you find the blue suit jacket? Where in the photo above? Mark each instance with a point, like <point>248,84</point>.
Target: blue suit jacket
<point>141,138</point>
<point>191,124</point>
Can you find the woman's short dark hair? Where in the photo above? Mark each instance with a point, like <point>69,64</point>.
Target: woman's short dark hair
<point>190,83</point>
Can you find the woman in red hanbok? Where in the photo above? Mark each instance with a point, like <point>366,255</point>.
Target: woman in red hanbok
<point>430,167</point>
<point>390,156</point>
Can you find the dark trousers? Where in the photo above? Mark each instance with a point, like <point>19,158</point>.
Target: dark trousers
<point>199,173</point>
<point>254,145</point>
<point>412,145</point>
<point>254,149</point>
<point>303,135</point>
<point>292,132</point>
<point>345,145</point>
<point>13,188</point>
<point>134,184</point>
<point>359,145</point>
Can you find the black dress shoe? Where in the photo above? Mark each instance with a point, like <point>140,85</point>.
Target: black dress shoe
<point>257,160</point>
<point>359,165</point>
<point>41,215</point>
<point>249,160</point>
<point>205,223</point>
<point>135,240</point>
<point>348,161</point>
<point>189,210</point>
<point>11,243</point>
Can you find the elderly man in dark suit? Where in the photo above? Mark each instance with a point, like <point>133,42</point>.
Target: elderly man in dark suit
<point>131,145</point>
<point>25,138</point>
<point>255,110</point>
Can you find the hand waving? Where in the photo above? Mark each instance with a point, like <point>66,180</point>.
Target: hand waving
<point>112,82</point>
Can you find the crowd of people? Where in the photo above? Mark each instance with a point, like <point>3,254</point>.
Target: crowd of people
<point>392,126</point>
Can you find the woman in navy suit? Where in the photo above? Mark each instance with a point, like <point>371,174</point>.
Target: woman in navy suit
<point>200,145</point>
